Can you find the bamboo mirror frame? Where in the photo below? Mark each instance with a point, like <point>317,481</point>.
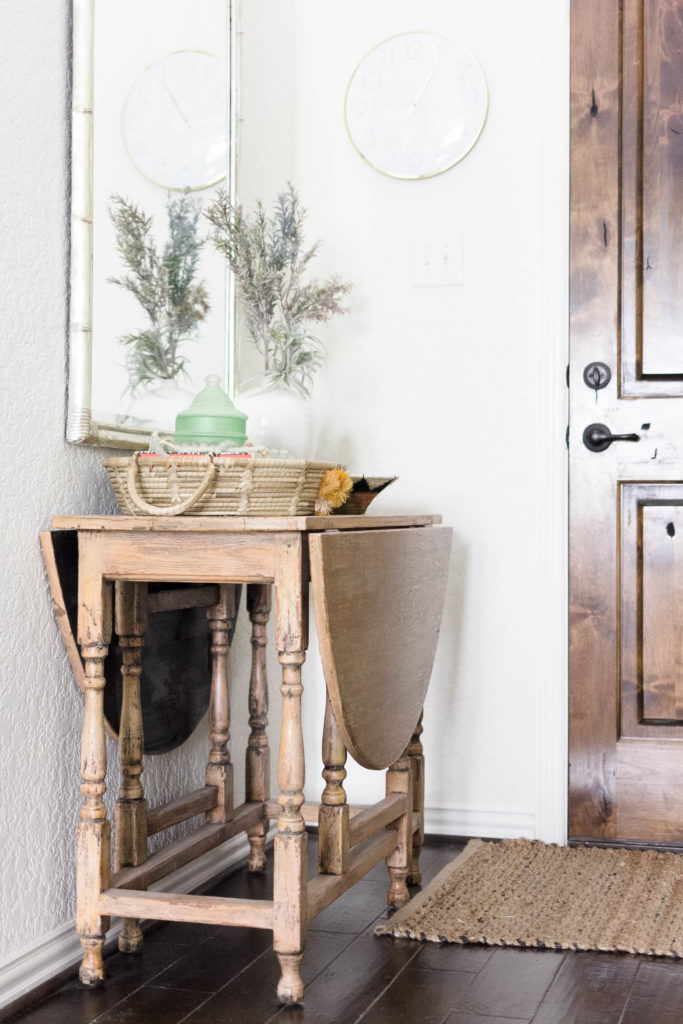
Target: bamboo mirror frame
<point>84,424</point>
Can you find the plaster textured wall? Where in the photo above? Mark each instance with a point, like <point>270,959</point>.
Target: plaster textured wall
<point>40,707</point>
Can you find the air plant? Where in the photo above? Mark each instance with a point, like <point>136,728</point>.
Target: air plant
<point>164,285</point>
<point>269,260</point>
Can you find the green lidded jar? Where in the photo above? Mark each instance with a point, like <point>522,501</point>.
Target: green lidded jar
<point>211,419</point>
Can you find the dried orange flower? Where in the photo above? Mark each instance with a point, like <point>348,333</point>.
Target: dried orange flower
<point>334,490</point>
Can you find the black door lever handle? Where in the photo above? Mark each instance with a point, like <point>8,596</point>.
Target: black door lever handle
<point>597,437</point>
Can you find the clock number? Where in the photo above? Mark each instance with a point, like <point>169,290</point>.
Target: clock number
<point>413,49</point>
<point>388,56</point>
<point>372,81</point>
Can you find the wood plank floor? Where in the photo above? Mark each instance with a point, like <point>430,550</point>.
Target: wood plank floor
<point>194,974</point>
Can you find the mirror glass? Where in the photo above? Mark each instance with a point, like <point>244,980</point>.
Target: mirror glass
<point>152,142</point>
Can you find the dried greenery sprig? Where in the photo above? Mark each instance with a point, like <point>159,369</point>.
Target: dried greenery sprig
<point>163,284</point>
<point>268,256</point>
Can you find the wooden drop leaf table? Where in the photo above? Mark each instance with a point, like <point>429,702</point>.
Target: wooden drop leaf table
<point>378,588</point>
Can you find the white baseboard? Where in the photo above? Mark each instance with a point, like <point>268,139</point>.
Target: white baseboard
<point>489,822</point>
<point>60,949</point>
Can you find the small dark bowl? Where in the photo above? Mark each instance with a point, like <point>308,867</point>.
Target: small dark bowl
<point>365,490</point>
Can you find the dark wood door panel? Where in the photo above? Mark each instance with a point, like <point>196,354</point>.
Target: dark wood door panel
<point>662,206</point>
<point>652,198</point>
<point>651,599</point>
<point>649,784</point>
<point>662,623</point>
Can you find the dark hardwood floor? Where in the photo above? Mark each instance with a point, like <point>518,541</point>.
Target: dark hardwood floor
<point>209,975</point>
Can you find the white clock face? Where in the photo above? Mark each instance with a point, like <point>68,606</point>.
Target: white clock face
<point>416,104</point>
<point>175,121</point>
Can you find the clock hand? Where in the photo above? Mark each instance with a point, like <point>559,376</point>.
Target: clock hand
<point>175,101</point>
<point>424,86</point>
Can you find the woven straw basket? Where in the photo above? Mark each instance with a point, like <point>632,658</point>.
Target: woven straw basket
<point>215,485</point>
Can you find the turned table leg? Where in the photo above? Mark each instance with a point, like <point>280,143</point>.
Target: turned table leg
<point>257,773</point>
<point>93,834</point>
<point>130,815</point>
<point>415,752</point>
<point>290,848</point>
<point>219,768</point>
<point>400,780</point>
<point>333,814</point>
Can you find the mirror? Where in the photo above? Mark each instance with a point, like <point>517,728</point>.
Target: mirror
<point>152,140</point>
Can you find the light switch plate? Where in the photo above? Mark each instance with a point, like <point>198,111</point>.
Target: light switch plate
<point>437,260</point>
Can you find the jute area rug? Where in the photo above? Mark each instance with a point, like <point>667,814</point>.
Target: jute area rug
<point>523,893</point>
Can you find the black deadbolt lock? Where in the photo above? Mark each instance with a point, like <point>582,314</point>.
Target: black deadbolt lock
<point>597,376</point>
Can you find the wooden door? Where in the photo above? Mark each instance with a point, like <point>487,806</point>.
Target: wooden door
<point>626,502</point>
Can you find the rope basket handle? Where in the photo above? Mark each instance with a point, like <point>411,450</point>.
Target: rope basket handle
<point>166,510</point>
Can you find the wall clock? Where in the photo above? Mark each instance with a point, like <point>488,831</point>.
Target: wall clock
<point>175,122</point>
<point>416,104</point>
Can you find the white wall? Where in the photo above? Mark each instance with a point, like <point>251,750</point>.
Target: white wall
<point>450,388</point>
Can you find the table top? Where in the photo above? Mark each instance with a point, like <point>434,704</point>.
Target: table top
<point>238,524</point>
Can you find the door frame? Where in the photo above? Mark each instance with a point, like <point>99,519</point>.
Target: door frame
<point>552,487</point>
